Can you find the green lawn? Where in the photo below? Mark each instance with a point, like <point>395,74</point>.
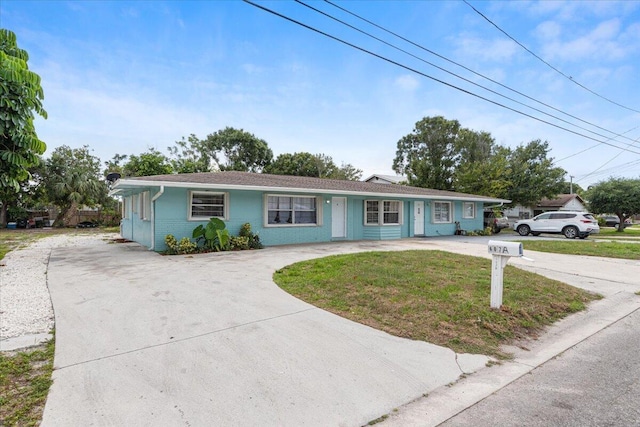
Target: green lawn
<point>591,247</point>
<point>25,378</point>
<point>434,296</point>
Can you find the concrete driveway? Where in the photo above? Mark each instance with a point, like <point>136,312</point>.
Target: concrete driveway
<point>143,339</point>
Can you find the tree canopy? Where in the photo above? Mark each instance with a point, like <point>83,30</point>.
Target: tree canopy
<point>532,175</point>
<point>21,97</point>
<point>241,151</point>
<point>72,179</point>
<point>428,156</point>
<point>441,154</point>
<point>314,165</point>
<point>618,196</point>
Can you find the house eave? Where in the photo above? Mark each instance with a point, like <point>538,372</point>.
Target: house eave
<point>120,186</point>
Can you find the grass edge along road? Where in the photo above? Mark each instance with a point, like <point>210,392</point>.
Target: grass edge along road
<point>607,249</point>
<point>433,296</point>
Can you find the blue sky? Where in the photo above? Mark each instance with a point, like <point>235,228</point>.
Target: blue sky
<point>124,76</point>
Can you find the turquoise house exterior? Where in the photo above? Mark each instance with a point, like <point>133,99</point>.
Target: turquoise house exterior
<point>290,209</point>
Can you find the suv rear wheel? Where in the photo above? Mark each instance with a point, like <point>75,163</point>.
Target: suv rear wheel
<point>570,232</point>
<point>524,230</point>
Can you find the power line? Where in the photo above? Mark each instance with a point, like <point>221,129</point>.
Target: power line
<point>273,12</point>
<point>607,162</point>
<point>467,69</point>
<point>594,146</point>
<point>546,63</point>
<point>457,75</point>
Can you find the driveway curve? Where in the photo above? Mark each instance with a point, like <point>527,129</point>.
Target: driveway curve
<point>143,339</point>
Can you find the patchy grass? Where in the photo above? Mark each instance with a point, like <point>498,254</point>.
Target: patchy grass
<point>25,378</point>
<point>433,296</point>
<point>622,250</point>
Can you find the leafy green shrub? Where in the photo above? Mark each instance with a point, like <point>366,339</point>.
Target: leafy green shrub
<point>214,235</point>
<point>239,243</point>
<point>254,239</point>
<point>184,246</point>
<point>172,244</point>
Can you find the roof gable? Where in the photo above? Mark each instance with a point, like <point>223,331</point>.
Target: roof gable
<point>560,201</point>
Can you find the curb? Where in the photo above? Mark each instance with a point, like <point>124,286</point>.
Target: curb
<point>446,402</point>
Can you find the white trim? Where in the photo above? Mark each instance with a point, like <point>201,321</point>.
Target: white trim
<point>464,210</point>
<point>199,186</point>
<point>381,213</point>
<point>153,217</point>
<point>225,206</point>
<point>144,206</point>
<point>265,210</point>
<point>433,212</point>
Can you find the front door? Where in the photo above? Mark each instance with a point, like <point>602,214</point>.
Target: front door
<point>338,217</point>
<point>418,219</point>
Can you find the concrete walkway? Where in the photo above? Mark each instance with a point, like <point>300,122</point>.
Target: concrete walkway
<point>143,339</point>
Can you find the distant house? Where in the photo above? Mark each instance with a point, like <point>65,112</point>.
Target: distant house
<point>564,202</point>
<point>290,209</point>
<point>386,179</point>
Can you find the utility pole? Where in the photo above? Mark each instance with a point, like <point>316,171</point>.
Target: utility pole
<point>571,184</point>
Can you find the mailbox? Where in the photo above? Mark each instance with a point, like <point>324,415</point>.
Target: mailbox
<point>500,253</point>
<point>497,247</point>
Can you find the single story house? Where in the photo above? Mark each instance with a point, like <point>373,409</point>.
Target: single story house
<point>563,202</point>
<point>290,209</point>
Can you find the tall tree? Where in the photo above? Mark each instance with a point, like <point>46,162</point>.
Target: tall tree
<point>152,162</point>
<point>21,97</point>
<point>72,179</point>
<point>428,156</point>
<point>532,174</point>
<point>187,156</point>
<point>616,195</point>
<point>314,165</point>
<point>488,177</point>
<point>240,150</point>
<point>298,164</point>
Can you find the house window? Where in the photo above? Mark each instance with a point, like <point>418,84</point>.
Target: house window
<point>468,210</point>
<point>442,212</point>
<point>383,212</point>
<point>125,205</point>
<point>288,210</point>
<point>144,205</point>
<point>372,213</point>
<point>206,204</point>
<point>134,204</point>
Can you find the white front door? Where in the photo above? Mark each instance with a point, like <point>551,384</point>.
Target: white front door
<point>338,217</point>
<point>418,219</point>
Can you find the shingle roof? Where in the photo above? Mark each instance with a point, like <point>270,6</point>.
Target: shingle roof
<point>233,179</point>
<point>559,201</point>
<point>391,178</point>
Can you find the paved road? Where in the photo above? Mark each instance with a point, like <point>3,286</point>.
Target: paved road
<point>595,383</point>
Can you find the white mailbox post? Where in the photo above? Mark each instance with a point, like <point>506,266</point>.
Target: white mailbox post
<point>501,252</point>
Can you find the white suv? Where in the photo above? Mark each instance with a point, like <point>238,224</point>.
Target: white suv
<point>570,224</point>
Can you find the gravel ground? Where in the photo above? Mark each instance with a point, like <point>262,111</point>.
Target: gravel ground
<point>26,314</point>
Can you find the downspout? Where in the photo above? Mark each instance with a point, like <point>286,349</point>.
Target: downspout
<point>153,217</point>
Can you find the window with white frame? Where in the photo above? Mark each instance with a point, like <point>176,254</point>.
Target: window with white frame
<point>468,210</point>
<point>292,210</point>
<point>144,205</point>
<point>134,204</point>
<point>125,205</point>
<point>382,212</point>
<point>207,204</point>
<point>442,212</point>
